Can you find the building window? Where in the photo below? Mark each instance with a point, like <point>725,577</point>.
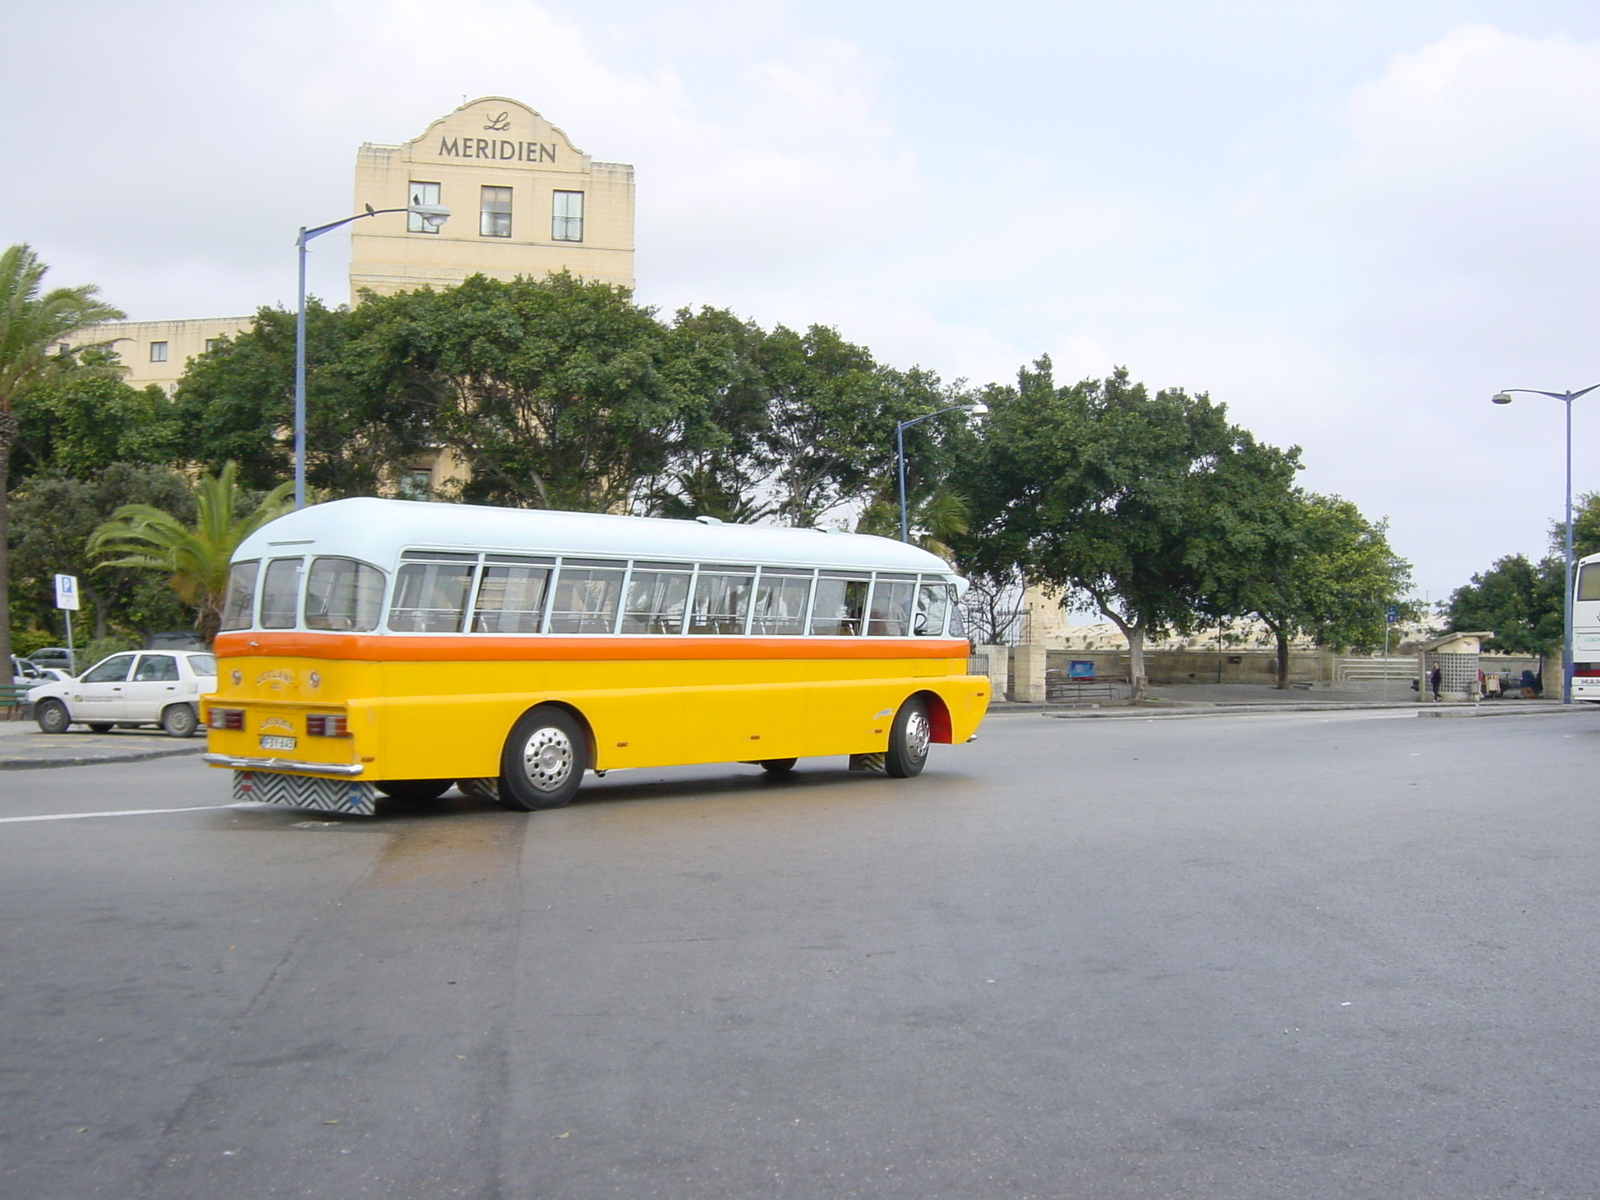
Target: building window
<point>212,344</point>
<point>158,352</point>
<point>566,223</point>
<point>495,218</point>
<point>421,193</point>
<point>416,484</point>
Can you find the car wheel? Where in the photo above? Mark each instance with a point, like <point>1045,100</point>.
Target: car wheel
<point>544,759</point>
<point>908,740</point>
<point>51,716</point>
<point>179,720</point>
<point>101,726</point>
<point>416,791</point>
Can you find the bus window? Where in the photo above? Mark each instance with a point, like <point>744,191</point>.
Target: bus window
<point>658,593</point>
<point>840,603</point>
<point>587,592</point>
<point>958,624</point>
<point>280,593</point>
<point>343,594</point>
<point>1589,581</point>
<point>721,600</point>
<point>890,614</point>
<point>512,595</point>
<point>239,603</point>
<point>933,602</point>
<point>431,597</point>
<point>781,597</point>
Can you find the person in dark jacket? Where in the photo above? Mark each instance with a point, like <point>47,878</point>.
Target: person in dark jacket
<point>1435,676</point>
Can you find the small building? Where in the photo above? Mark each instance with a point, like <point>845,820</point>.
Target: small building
<point>1458,657</point>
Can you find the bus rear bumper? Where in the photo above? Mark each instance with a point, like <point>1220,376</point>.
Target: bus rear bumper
<point>239,763</point>
<point>305,791</point>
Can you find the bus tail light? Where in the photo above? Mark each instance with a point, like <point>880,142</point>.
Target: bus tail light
<point>225,718</point>
<point>333,725</point>
<point>1587,670</point>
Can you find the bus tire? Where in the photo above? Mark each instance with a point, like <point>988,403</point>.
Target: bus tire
<point>778,766</point>
<point>543,763</point>
<point>414,791</point>
<point>908,740</point>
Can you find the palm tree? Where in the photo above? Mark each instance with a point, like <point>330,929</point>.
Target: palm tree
<point>31,325</point>
<point>196,558</point>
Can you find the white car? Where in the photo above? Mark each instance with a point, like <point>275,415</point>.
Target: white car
<point>140,687</point>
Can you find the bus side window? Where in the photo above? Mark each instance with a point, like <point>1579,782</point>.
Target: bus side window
<point>239,603</point>
<point>280,593</point>
<point>512,595</point>
<point>343,594</point>
<point>658,594</point>
<point>890,615</point>
<point>587,596</point>
<point>840,604</point>
<point>933,602</point>
<point>958,625</point>
<point>781,599</point>
<point>431,597</point>
<point>721,600</point>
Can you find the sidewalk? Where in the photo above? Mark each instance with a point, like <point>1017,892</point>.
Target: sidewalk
<point>1238,699</point>
<point>23,747</point>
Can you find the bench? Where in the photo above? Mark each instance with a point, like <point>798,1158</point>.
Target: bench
<point>14,700</point>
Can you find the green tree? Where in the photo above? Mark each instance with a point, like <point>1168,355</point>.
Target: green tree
<point>32,322</point>
<point>195,558</point>
<point>52,518</point>
<point>1127,503</point>
<point>77,423</point>
<point>1316,566</point>
<point>1521,601</point>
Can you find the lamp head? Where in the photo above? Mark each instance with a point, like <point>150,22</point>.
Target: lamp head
<point>978,410</point>
<point>1502,398</point>
<point>433,215</point>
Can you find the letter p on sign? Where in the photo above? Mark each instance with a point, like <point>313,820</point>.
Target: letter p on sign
<point>67,592</point>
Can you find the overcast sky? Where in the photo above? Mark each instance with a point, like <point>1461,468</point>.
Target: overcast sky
<point>1352,221</point>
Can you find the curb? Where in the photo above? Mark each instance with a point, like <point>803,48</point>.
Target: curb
<point>34,764</point>
<point>1257,709</point>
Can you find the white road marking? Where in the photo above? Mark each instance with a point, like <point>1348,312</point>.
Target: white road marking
<point>128,812</point>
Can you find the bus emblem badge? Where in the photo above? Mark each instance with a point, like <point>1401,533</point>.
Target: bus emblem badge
<point>276,680</point>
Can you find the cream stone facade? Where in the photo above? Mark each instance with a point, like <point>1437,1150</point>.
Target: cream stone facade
<point>523,200</point>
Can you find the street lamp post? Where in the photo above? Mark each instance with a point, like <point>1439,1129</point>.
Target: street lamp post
<point>435,216</point>
<point>976,410</point>
<point>1566,599</point>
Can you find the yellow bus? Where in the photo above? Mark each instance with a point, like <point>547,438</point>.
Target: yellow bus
<point>395,647</point>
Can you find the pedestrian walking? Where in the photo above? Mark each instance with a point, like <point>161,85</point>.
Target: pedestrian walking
<point>1435,677</point>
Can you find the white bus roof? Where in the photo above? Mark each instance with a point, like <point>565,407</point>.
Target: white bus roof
<point>378,530</point>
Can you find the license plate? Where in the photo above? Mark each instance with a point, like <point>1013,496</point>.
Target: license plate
<point>269,742</point>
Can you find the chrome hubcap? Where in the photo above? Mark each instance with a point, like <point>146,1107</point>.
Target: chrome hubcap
<point>547,758</point>
<point>918,735</point>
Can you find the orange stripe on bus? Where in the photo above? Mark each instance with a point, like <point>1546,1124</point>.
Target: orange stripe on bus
<point>545,648</point>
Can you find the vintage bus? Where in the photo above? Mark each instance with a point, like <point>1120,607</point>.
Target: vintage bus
<point>396,647</point>
<point>1586,630</point>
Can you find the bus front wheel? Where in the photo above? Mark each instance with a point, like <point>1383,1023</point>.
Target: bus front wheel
<point>544,759</point>
<point>908,740</point>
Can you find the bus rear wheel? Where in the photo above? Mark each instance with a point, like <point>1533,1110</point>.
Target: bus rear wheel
<point>414,791</point>
<point>544,759</point>
<point>908,740</point>
<point>778,766</point>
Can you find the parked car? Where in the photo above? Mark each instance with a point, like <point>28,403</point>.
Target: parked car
<point>133,688</point>
<point>25,674</point>
<point>58,657</point>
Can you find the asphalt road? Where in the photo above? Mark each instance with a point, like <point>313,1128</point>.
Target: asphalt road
<point>1287,956</point>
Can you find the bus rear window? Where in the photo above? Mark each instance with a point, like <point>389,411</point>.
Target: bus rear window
<point>343,594</point>
<point>239,602</point>
<point>430,597</point>
<point>1589,581</point>
<point>280,594</point>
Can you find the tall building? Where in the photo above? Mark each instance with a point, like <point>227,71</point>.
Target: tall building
<point>523,200</point>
